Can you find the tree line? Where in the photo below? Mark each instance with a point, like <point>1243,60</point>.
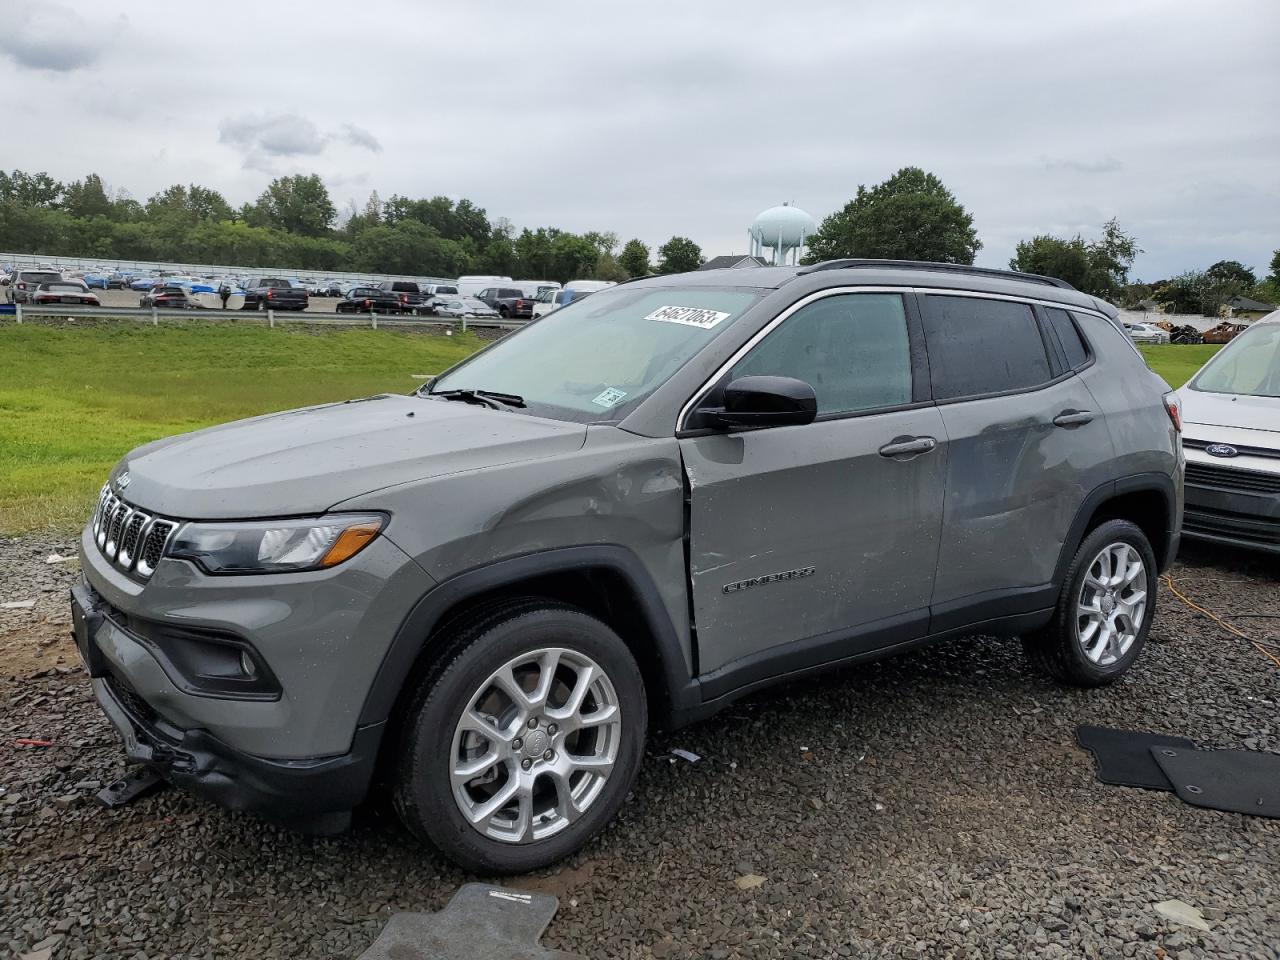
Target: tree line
<point>910,216</point>
<point>295,222</point>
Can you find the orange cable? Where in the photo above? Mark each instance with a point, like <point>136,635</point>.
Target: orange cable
<point>1218,620</point>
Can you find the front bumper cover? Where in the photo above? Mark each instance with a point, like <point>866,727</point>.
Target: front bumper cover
<point>312,794</point>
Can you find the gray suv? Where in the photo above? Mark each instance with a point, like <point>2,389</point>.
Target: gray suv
<point>477,598</point>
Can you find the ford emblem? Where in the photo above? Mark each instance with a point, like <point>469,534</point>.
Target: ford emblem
<point>1221,450</point>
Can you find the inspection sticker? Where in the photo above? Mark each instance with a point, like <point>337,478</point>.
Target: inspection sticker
<point>689,316</point>
<point>609,398</point>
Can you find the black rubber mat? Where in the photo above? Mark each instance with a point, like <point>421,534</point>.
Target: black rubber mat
<point>481,922</point>
<point>1123,757</point>
<point>1238,781</point>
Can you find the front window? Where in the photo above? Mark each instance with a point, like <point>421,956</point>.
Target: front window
<point>596,359</point>
<point>1247,366</point>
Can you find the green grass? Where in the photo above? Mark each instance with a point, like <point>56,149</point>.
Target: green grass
<point>73,400</point>
<point>1177,362</point>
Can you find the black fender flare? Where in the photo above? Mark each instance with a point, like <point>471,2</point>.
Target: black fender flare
<point>415,630</point>
<point>1160,483</point>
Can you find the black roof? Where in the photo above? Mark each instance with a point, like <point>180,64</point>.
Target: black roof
<point>1244,303</point>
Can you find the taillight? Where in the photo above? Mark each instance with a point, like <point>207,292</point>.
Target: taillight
<point>270,293</point>
<point>22,286</point>
<point>404,298</point>
<point>1173,407</point>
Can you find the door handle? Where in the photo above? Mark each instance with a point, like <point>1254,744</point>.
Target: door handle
<point>907,446</point>
<point>1073,418</point>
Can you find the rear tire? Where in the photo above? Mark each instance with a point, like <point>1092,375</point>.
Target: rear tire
<point>1104,611</point>
<point>565,769</point>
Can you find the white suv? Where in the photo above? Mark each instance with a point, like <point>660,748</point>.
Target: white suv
<point>1231,416</point>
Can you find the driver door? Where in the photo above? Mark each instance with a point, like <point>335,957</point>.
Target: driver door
<point>816,542</point>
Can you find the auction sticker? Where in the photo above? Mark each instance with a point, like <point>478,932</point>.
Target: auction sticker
<point>689,316</point>
<point>610,397</point>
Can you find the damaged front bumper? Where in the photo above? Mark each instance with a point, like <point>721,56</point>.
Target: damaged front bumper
<point>315,794</point>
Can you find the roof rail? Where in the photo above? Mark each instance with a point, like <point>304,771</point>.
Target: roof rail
<point>936,267</point>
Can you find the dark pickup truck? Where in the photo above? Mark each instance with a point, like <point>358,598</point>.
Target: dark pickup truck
<point>369,300</point>
<point>508,301</point>
<point>407,292</point>
<point>272,294</point>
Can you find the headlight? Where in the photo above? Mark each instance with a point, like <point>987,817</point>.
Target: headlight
<point>275,546</point>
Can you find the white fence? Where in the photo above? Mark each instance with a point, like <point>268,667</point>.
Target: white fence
<point>154,315</point>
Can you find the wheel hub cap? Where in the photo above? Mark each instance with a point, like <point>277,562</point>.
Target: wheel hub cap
<point>1108,604</point>
<point>536,743</point>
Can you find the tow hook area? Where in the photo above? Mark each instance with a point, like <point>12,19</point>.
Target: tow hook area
<point>138,782</point>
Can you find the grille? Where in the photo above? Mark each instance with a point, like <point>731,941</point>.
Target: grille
<point>132,539</point>
<point>1231,478</point>
<point>1192,444</point>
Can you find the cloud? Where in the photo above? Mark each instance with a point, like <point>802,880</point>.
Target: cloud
<point>53,38</point>
<point>1104,165</point>
<point>274,135</point>
<point>360,137</point>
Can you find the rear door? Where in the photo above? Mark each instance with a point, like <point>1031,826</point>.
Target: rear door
<point>811,543</point>
<point>1026,443</point>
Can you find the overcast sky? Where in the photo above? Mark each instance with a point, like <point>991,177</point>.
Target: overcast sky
<point>684,118</point>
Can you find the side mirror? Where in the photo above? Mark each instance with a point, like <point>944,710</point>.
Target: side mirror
<point>766,402</point>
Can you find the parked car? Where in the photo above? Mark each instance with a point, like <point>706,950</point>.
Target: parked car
<point>96,281</point>
<point>145,283</point>
<point>550,300</point>
<point>369,300</point>
<point>459,307</point>
<point>25,282</point>
<point>406,291</point>
<point>169,296</point>
<point>440,290</point>
<point>1146,333</point>
<point>507,301</point>
<point>1231,422</point>
<point>65,291</point>
<point>272,293</point>
<point>634,511</point>
<point>116,281</point>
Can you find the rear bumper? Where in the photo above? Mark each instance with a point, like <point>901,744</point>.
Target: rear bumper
<point>311,793</point>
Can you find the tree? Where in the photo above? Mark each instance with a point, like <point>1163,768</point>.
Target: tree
<point>911,216</point>
<point>298,204</point>
<point>634,259</point>
<point>1232,272</point>
<point>679,255</point>
<point>1100,268</point>
<point>608,268</point>
<point>87,198</point>
<point>1275,269</point>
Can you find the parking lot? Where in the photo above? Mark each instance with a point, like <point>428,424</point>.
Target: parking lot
<point>929,806</point>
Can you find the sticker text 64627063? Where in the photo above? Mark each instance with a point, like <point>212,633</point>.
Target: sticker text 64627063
<point>689,316</point>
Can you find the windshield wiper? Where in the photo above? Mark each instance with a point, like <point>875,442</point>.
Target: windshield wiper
<point>485,397</point>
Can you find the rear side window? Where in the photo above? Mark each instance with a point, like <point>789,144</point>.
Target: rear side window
<point>853,349</point>
<point>1072,341</point>
<point>979,346</point>
<point>402,286</point>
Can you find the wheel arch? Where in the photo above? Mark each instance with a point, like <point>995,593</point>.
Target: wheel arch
<point>608,581</point>
<point>1146,499</point>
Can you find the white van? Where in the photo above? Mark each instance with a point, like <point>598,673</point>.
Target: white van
<point>531,288</point>
<point>589,286</point>
<point>470,286</point>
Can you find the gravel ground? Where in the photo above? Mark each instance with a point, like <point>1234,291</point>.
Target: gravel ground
<point>929,806</point>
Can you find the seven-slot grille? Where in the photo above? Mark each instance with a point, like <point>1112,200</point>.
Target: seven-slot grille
<point>1232,478</point>
<point>131,539</point>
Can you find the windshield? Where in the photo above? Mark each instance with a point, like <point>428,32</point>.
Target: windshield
<point>1249,365</point>
<point>595,359</point>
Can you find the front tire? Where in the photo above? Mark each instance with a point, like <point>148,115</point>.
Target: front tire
<point>524,739</point>
<point>1104,611</point>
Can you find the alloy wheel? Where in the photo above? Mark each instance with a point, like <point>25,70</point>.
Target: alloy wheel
<point>535,745</point>
<point>1112,603</point>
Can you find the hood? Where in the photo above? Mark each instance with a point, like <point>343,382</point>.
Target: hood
<point>1230,410</point>
<point>305,461</point>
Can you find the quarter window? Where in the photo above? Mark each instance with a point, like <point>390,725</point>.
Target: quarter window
<point>979,346</point>
<point>851,348</point>
<point>1070,338</point>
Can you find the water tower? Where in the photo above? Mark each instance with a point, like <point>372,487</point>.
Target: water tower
<point>782,230</point>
